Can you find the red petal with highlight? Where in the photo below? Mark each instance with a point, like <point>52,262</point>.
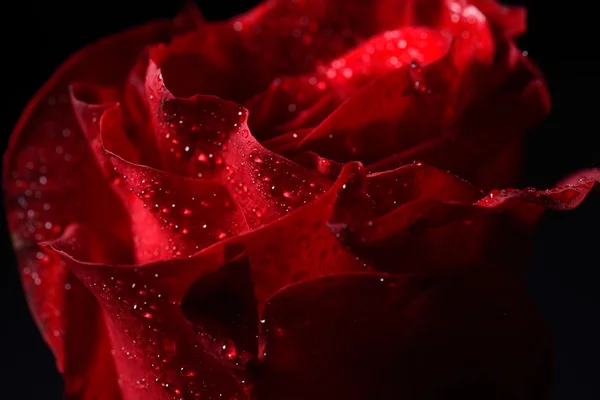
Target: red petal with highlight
<point>155,352</point>
<point>205,215</point>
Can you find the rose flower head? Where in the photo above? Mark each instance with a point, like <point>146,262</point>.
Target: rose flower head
<point>301,202</point>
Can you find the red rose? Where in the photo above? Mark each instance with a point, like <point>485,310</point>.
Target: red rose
<point>288,242</point>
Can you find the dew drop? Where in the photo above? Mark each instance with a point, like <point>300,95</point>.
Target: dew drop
<point>229,351</point>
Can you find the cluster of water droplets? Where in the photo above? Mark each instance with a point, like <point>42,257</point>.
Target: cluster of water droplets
<point>50,163</point>
<point>380,55</point>
<point>144,341</point>
<point>212,142</point>
<point>556,198</point>
<point>37,216</point>
<point>195,213</point>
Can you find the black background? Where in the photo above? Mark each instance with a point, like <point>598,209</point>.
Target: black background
<point>562,38</point>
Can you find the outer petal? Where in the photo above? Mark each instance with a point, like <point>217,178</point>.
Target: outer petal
<point>421,230</point>
<point>469,334</point>
<point>156,352</point>
<point>89,366</point>
<point>568,195</point>
<point>47,161</point>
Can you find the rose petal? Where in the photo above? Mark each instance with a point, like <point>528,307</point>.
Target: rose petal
<point>296,102</point>
<point>374,195</point>
<point>100,119</point>
<point>90,373</point>
<point>469,334</point>
<point>221,50</point>
<point>242,51</point>
<point>487,136</point>
<point>193,213</point>
<point>155,351</point>
<point>425,231</point>
<point>89,103</point>
<point>576,188</point>
<point>590,174</point>
<point>385,116</point>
